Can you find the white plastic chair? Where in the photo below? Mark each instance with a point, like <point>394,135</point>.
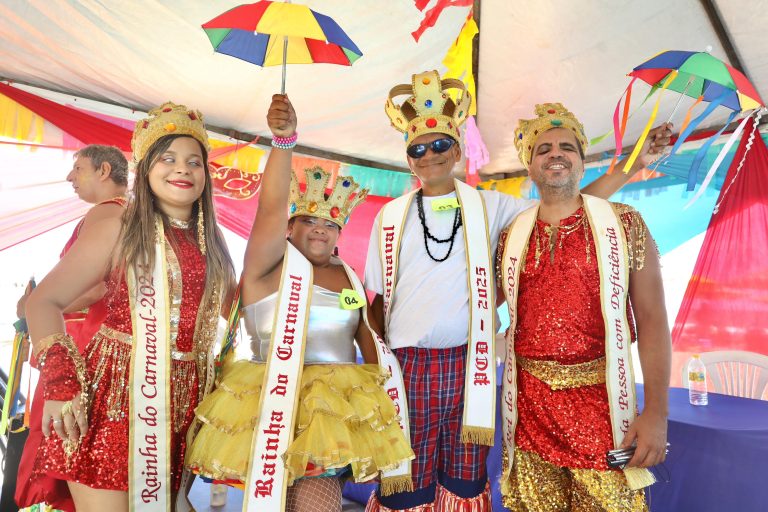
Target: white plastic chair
<point>735,373</point>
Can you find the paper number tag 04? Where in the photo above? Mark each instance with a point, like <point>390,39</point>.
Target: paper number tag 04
<point>443,205</point>
<point>350,299</point>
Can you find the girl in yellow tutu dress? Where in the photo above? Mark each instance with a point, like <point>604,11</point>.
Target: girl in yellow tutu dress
<point>302,315</point>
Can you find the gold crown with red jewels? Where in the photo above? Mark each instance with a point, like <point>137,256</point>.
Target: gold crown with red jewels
<point>429,109</point>
<point>168,119</point>
<point>335,206</point>
<point>548,116</point>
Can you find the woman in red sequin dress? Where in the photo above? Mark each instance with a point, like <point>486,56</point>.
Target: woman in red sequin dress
<point>87,416</point>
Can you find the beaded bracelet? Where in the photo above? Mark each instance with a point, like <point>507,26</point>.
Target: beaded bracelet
<point>285,142</point>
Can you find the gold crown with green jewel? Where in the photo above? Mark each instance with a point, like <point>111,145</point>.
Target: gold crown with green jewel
<point>548,116</point>
<point>429,109</point>
<point>335,206</point>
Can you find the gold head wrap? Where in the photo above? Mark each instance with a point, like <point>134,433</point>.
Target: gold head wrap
<point>167,119</point>
<point>548,116</point>
<point>429,109</point>
<point>342,199</point>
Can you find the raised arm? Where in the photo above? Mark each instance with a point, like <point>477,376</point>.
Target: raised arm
<point>608,184</point>
<point>266,245</point>
<point>654,346</point>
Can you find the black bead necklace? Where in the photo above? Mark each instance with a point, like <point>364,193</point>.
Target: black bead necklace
<point>429,236</point>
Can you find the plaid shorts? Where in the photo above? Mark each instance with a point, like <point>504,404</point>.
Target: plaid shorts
<point>434,385</point>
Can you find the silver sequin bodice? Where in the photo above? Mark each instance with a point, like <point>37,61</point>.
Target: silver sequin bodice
<point>330,332</point>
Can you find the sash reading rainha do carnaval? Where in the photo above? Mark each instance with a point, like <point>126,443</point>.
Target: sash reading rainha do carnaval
<point>267,479</point>
<point>149,452</point>
<point>478,424</point>
<point>613,265</point>
<point>267,482</point>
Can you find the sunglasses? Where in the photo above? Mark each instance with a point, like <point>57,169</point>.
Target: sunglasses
<point>437,146</point>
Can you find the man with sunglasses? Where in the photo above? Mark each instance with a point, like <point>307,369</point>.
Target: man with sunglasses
<point>582,281</point>
<point>430,265</point>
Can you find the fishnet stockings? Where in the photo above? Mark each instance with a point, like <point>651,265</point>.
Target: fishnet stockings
<point>314,495</point>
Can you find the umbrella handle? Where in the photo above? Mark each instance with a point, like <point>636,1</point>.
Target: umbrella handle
<point>285,62</point>
<point>677,105</point>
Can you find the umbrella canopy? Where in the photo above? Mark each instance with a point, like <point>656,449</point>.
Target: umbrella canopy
<point>700,74</point>
<point>256,32</point>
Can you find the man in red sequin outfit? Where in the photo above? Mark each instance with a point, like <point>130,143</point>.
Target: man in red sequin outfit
<point>99,176</point>
<point>558,403</point>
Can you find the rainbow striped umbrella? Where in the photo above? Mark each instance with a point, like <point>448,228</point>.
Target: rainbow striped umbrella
<point>253,33</point>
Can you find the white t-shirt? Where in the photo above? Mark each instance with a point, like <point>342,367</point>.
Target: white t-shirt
<point>430,308</point>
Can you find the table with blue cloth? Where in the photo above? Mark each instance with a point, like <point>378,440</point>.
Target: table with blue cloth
<point>717,462</point>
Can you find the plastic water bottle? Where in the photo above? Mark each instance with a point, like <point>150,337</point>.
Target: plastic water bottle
<point>697,381</point>
<point>218,495</point>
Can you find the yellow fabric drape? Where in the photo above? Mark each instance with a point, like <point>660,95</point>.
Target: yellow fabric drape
<point>246,158</point>
<point>458,60</point>
<point>20,123</point>
<point>511,186</point>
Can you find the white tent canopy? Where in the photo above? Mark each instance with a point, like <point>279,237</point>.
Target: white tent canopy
<point>141,53</point>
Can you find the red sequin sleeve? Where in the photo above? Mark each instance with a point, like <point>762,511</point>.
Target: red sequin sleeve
<point>58,375</point>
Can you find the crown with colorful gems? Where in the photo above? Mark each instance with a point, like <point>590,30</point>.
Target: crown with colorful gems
<point>548,116</point>
<point>429,109</point>
<point>167,119</point>
<point>342,199</point>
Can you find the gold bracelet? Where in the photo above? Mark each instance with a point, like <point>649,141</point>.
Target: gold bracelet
<point>40,349</point>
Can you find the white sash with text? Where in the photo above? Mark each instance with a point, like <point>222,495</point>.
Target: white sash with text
<point>149,471</point>
<point>265,490</point>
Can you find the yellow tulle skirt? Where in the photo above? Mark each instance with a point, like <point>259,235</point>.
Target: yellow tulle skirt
<point>345,420</point>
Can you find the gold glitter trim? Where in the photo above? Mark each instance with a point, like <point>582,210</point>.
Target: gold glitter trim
<point>539,486</point>
<point>206,328</point>
<point>122,337</point>
<point>564,376</point>
<point>114,353</point>
<point>637,234</point>
<point>183,381</point>
<point>66,341</point>
<point>477,435</point>
<point>556,234</point>
<point>175,288</point>
<point>395,484</point>
<point>126,338</point>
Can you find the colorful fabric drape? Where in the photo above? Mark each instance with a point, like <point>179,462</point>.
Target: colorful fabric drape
<point>84,127</point>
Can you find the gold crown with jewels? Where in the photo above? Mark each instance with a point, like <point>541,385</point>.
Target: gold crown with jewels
<point>168,119</point>
<point>548,116</point>
<point>429,109</point>
<point>335,206</point>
